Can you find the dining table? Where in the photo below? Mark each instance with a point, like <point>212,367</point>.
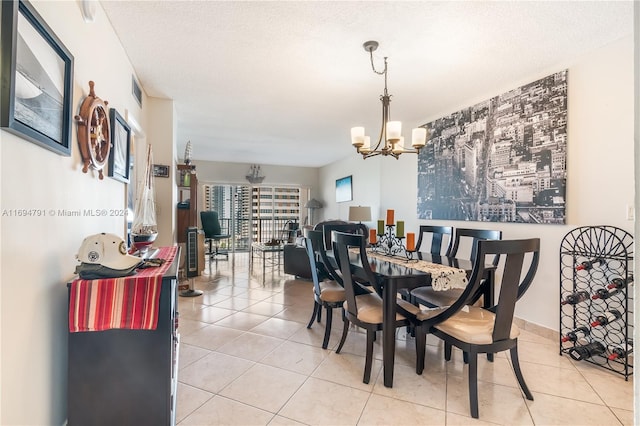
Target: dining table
<point>396,272</point>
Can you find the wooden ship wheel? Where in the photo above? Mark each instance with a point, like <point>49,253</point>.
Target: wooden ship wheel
<point>94,135</point>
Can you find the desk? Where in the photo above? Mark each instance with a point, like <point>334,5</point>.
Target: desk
<point>392,277</point>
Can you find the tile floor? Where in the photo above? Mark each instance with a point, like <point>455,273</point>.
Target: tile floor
<point>247,358</point>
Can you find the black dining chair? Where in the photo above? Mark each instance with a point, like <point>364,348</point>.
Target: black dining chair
<point>327,292</point>
<point>349,228</point>
<point>463,238</point>
<point>438,235</point>
<point>476,330</point>
<point>362,308</point>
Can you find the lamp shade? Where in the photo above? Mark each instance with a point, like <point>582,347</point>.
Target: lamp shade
<point>313,204</point>
<point>359,214</point>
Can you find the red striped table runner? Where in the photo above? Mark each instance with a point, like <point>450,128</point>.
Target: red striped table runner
<point>129,302</point>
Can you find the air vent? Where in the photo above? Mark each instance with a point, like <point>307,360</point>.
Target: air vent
<point>136,90</point>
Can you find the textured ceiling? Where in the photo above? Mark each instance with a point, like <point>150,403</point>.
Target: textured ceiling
<point>283,82</point>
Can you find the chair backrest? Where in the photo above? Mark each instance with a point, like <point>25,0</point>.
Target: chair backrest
<point>512,286</point>
<point>437,236</point>
<point>210,223</point>
<point>341,243</point>
<point>320,264</point>
<point>350,228</point>
<point>520,256</point>
<point>310,242</point>
<point>475,235</point>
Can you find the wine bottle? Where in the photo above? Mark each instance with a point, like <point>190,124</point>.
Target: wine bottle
<point>575,298</point>
<point>587,351</point>
<point>589,264</point>
<point>575,334</point>
<point>620,282</point>
<point>621,351</point>
<point>606,318</point>
<point>603,293</point>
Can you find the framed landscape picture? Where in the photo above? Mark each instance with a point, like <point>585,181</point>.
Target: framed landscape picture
<point>120,154</point>
<point>37,74</point>
<point>344,189</point>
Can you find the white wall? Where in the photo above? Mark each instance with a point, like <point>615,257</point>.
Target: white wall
<point>600,181</point>
<point>38,253</point>
<point>366,182</point>
<point>162,136</point>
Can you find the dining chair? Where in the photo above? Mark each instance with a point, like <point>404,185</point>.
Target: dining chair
<point>351,228</point>
<point>362,308</point>
<point>437,238</point>
<point>468,239</point>
<point>327,292</point>
<point>437,235</point>
<point>476,330</point>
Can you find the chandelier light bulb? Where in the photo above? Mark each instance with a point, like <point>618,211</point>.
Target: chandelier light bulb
<point>398,147</point>
<point>357,136</point>
<point>366,147</point>
<point>394,130</point>
<point>418,137</point>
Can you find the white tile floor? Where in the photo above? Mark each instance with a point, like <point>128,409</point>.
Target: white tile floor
<point>247,358</point>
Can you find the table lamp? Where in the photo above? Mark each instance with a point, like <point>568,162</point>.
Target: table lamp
<point>359,214</point>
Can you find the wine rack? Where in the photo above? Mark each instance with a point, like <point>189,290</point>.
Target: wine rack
<point>596,297</point>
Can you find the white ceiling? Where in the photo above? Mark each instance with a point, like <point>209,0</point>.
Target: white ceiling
<point>283,82</point>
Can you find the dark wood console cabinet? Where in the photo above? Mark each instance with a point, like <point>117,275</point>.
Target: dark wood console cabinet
<point>127,377</point>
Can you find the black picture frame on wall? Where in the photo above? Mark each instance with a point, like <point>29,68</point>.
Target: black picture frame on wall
<point>160,170</point>
<point>344,189</point>
<point>120,153</point>
<point>36,98</point>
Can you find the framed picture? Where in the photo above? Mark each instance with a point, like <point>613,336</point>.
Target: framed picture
<point>344,189</point>
<point>37,79</point>
<point>160,171</point>
<point>120,154</point>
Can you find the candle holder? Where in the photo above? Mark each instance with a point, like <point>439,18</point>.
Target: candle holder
<point>409,255</point>
<point>389,244</point>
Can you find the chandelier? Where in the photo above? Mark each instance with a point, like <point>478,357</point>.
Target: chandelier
<point>254,175</point>
<point>390,141</point>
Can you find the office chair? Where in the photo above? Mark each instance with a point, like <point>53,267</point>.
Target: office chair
<point>213,233</point>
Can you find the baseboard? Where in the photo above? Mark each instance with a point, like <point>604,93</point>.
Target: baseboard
<point>538,330</point>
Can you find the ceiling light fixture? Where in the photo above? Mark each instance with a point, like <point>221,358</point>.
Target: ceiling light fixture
<point>255,175</point>
<point>390,141</point>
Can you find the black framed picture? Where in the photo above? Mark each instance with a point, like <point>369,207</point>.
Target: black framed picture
<point>160,170</point>
<point>120,153</point>
<point>37,79</point>
<point>344,189</point>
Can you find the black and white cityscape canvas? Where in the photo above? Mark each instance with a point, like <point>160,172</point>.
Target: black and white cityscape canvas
<point>502,160</point>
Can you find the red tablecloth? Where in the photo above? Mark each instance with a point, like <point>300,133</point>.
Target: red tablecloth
<point>127,302</point>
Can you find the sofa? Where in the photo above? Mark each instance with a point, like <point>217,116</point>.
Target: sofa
<point>296,260</point>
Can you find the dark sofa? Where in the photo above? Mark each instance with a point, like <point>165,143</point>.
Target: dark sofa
<point>296,261</point>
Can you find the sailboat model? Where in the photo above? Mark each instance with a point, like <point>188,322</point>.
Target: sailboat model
<point>144,229</point>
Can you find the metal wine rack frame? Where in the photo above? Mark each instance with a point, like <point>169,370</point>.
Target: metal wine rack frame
<point>615,246</point>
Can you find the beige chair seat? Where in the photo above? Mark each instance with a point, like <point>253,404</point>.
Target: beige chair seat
<point>370,308</point>
<point>331,291</point>
<point>437,298</point>
<point>473,325</point>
